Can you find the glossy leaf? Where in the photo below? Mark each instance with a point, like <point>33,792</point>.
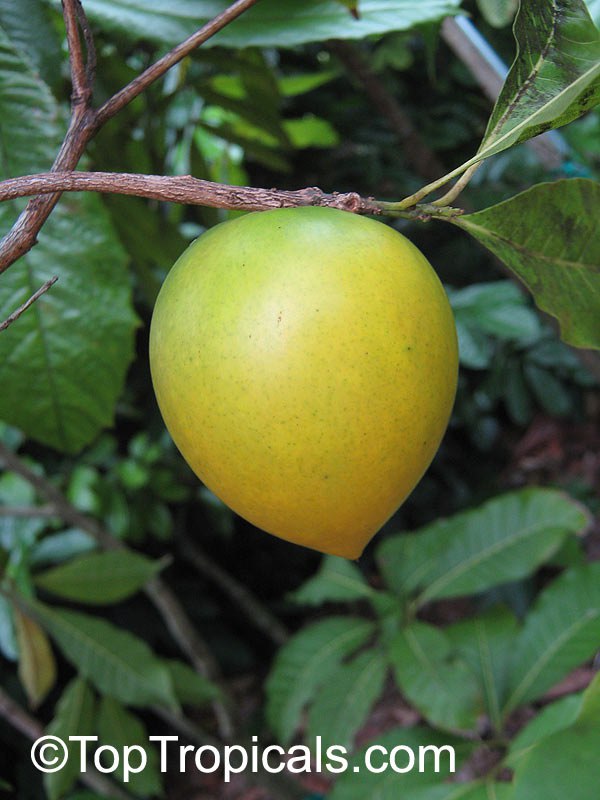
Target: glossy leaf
<point>100,578</point>
<point>549,237</point>
<point>486,643</point>
<point>565,763</point>
<point>337,580</point>
<point>77,377</point>
<point>344,701</point>
<point>271,23</point>
<point>561,632</point>
<point>37,666</point>
<point>434,679</point>
<point>74,715</point>
<point>554,79</point>
<point>112,659</point>
<point>503,540</point>
<point>120,728</point>
<point>305,663</point>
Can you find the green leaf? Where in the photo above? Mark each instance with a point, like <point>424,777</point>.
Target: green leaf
<point>486,643</point>
<point>28,24</point>
<point>565,763</point>
<point>75,343</point>
<point>552,718</point>
<point>190,687</point>
<point>503,540</point>
<point>37,667</point>
<point>100,578</point>
<point>497,308</point>
<point>343,702</point>
<point>560,633</point>
<point>337,580</point>
<point>116,662</point>
<point>119,728</point>
<point>594,9</point>
<point>549,237</point>
<point>75,716</point>
<point>301,83</point>
<point>311,131</point>
<point>554,79</point>
<point>435,681</point>
<point>464,791</point>
<point>271,23</point>
<point>431,765</point>
<point>58,547</point>
<point>304,663</point>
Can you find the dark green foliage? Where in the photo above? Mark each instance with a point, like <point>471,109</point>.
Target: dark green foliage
<point>475,600</point>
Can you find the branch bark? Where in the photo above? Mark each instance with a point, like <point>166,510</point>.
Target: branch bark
<point>183,189</point>
<point>21,309</point>
<point>86,121</point>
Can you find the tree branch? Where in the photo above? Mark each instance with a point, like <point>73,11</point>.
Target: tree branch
<point>85,121</point>
<point>21,309</point>
<point>181,189</point>
<point>82,73</point>
<point>194,191</point>
<point>158,69</point>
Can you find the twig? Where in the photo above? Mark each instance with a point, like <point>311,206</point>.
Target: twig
<point>163,599</point>
<point>245,600</point>
<point>194,191</point>
<point>21,309</point>
<point>156,70</point>
<point>181,189</point>
<point>460,184</point>
<point>30,727</point>
<point>85,121</point>
<point>82,73</point>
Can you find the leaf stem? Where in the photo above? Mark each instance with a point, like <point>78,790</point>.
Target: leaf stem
<point>22,308</point>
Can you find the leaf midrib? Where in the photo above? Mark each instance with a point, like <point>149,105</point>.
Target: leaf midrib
<point>535,669</point>
<point>540,256</point>
<point>479,557</point>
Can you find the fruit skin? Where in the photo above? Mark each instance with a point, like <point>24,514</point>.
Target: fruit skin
<point>305,363</point>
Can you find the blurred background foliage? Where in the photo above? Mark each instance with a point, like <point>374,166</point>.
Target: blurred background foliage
<point>527,408</point>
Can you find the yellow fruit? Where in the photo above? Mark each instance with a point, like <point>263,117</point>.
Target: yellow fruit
<point>305,363</point>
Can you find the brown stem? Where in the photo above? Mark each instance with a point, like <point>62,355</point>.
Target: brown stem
<point>85,121</point>
<point>81,76</point>
<point>183,189</point>
<point>21,309</point>
<point>163,599</point>
<point>246,601</point>
<point>156,70</point>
